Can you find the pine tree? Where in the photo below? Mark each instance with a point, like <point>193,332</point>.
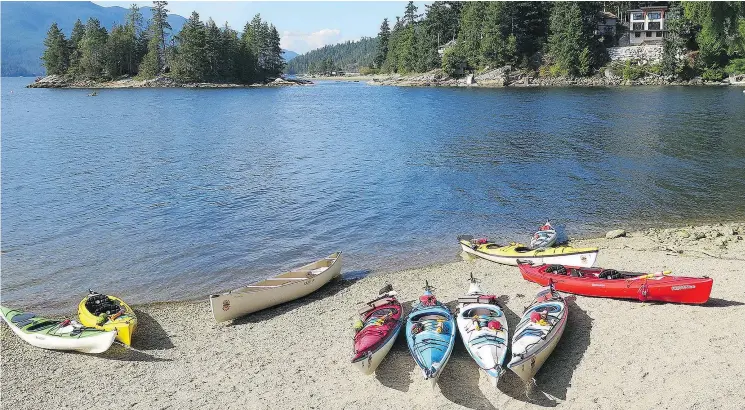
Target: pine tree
<point>492,46</point>
<point>191,60</point>
<point>78,31</point>
<point>138,41</point>
<point>56,55</point>
<point>159,26</point>
<point>410,15</point>
<point>471,32</point>
<point>212,50</point>
<point>248,48</point>
<point>383,36</point>
<point>93,49</point>
<point>150,65</point>
<point>572,42</point>
<point>276,61</point>
<point>229,54</point>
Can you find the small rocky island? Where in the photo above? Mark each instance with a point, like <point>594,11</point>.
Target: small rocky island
<point>60,81</point>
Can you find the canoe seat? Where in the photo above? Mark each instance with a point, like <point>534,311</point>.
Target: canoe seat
<point>23,319</point>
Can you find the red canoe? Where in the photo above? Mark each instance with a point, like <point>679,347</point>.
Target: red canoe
<point>608,283</point>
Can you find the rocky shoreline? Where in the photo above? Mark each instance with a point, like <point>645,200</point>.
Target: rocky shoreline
<point>57,81</point>
<point>504,77</point>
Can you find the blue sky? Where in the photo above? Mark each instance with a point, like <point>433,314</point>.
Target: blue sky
<point>303,25</point>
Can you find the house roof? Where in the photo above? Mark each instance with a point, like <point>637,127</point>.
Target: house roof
<point>648,8</point>
<point>607,14</point>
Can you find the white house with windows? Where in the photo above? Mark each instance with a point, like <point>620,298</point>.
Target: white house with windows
<point>647,25</point>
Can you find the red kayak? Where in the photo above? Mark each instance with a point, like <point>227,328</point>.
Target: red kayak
<point>376,331</point>
<point>609,283</point>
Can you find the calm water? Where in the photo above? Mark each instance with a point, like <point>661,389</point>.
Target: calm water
<point>170,194</point>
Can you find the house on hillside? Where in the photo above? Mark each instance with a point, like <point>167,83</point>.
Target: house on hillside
<point>607,24</point>
<point>647,25</point>
<point>441,49</point>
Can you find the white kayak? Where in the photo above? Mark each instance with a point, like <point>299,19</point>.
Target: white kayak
<point>57,334</point>
<point>538,333</point>
<point>544,238</point>
<point>274,291</point>
<point>483,329</point>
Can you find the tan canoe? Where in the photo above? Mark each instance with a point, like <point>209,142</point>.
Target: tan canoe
<point>274,291</point>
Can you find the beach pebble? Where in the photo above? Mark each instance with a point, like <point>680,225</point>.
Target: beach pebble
<point>616,233</point>
<point>699,235</point>
<point>684,234</point>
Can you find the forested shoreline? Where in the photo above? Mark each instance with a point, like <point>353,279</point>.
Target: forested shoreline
<point>551,39</point>
<point>199,53</point>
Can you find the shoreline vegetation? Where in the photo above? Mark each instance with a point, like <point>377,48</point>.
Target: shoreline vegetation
<point>299,352</point>
<point>543,44</point>
<point>481,44</point>
<point>506,77</point>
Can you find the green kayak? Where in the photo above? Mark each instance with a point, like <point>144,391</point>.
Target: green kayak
<point>57,334</point>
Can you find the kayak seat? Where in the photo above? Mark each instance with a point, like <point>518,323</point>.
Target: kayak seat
<point>41,325</point>
<point>23,319</point>
<point>523,249</point>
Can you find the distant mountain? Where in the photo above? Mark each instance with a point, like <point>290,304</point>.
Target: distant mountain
<point>25,25</point>
<point>349,56</point>
<point>288,55</point>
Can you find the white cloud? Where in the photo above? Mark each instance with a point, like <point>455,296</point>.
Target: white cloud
<point>303,42</point>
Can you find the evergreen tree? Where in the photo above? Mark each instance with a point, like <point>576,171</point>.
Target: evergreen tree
<point>383,36</point>
<point>93,49</point>
<point>443,20</point>
<point>247,60</point>
<point>410,15</point>
<point>213,46</point>
<point>150,65</point>
<point>56,55</point>
<point>119,50</point>
<point>230,50</point>
<point>493,50</point>
<point>159,26</point>
<point>572,42</point>
<point>275,61</point>
<point>471,33</point>
<point>78,31</point>
<point>191,59</point>
<point>138,41</point>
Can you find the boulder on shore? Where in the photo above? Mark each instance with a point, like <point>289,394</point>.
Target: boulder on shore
<point>616,233</point>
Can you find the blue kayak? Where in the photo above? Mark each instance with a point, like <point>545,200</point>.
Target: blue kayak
<point>430,334</point>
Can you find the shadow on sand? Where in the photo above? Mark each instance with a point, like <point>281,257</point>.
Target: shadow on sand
<point>330,289</point>
<point>120,352</point>
<point>150,335</point>
<point>395,370</point>
<point>459,381</point>
<point>554,377</point>
<point>715,302</point>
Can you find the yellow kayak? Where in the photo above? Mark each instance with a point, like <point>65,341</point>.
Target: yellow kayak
<point>108,313</point>
<point>511,254</point>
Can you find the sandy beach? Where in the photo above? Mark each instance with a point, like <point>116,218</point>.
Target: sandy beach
<point>613,354</point>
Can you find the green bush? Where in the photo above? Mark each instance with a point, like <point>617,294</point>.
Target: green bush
<point>713,74</point>
<point>369,71</point>
<point>632,71</point>
<point>736,66</point>
<point>556,71</point>
<point>655,69</point>
<point>452,60</point>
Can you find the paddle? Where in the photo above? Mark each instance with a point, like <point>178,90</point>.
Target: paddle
<point>652,275</point>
